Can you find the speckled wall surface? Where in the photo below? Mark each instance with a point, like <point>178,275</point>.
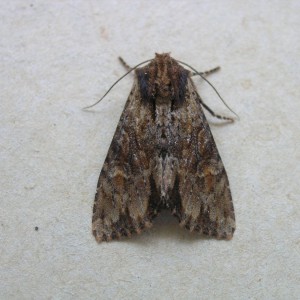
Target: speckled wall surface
<point>59,56</point>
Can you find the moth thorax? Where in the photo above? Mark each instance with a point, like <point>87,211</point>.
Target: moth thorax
<point>162,101</point>
<point>163,87</point>
<point>164,91</point>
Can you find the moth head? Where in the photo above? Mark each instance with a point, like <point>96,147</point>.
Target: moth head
<point>164,78</point>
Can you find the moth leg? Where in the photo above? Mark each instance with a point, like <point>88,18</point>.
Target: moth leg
<point>124,63</point>
<point>213,113</point>
<point>208,72</point>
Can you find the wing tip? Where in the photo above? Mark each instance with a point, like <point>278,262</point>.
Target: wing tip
<point>102,234</point>
<point>213,230</point>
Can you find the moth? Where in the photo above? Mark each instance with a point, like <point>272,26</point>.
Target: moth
<point>163,156</point>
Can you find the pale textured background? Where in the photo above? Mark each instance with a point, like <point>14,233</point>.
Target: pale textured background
<point>59,56</point>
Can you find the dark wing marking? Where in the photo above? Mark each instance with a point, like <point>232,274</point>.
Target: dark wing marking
<point>121,204</point>
<point>205,203</point>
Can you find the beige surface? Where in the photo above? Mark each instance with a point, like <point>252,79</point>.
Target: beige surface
<point>59,56</point>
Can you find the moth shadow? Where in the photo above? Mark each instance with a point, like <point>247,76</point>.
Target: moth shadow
<point>91,111</point>
<point>165,227</point>
<point>222,123</point>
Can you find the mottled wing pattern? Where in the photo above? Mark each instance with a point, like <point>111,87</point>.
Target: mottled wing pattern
<point>121,204</point>
<point>203,187</point>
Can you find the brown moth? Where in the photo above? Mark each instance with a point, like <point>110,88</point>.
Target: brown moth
<point>163,156</point>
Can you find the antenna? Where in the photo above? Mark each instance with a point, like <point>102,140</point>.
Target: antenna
<point>117,82</point>
<point>181,62</point>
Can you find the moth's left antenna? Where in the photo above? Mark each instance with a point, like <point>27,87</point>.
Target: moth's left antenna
<point>117,82</point>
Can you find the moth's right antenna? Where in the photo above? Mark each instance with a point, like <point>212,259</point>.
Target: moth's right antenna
<point>210,85</point>
<point>131,69</point>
